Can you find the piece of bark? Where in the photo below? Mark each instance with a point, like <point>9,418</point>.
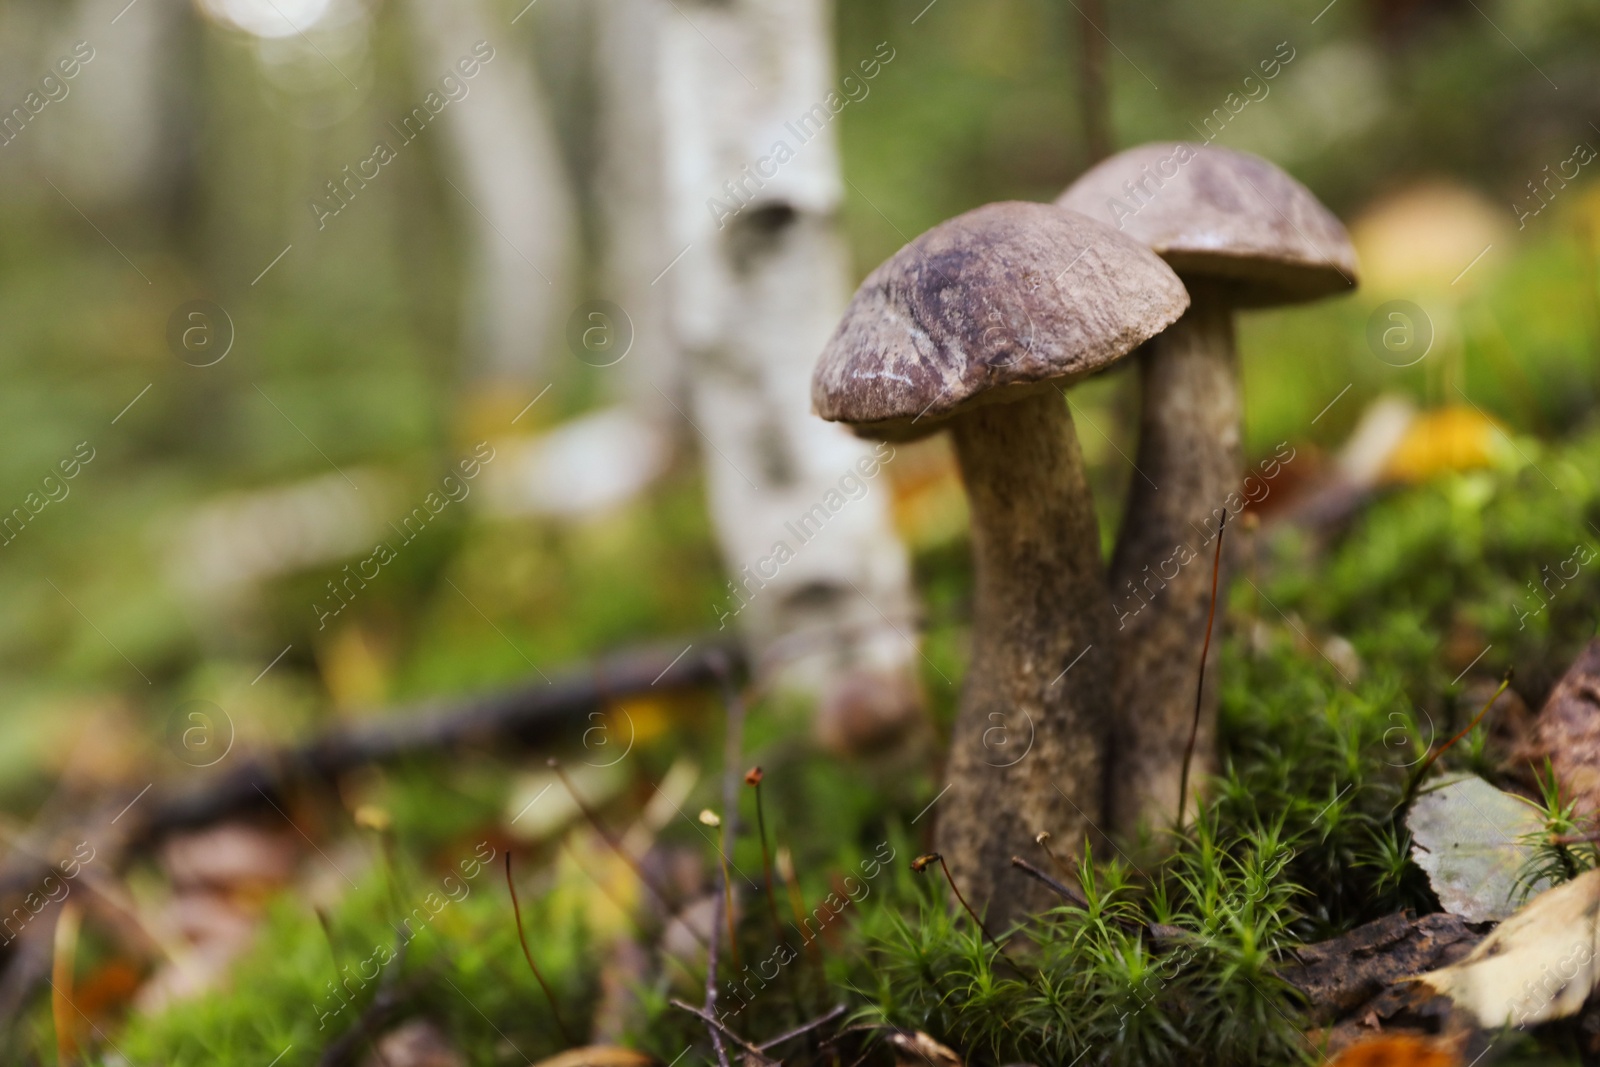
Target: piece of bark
<point>1567,732</point>
<point>1339,976</point>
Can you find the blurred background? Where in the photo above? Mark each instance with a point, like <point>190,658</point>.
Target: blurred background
<point>183,163</point>
<point>260,343</point>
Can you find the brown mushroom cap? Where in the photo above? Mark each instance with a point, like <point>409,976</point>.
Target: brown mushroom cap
<point>987,307</point>
<point>1217,214</point>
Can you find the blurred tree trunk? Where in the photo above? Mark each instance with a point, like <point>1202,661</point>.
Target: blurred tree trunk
<point>121,143</point>
<point>511,189</point>
<point>745,291</point>
<point>630,203</point>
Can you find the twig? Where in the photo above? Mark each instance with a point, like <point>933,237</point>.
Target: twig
<point>724,897</point>
<point>1156,931</point>
<point>804,1028</point>
<point>549,994</point>
<point>719,1029</point>
<point>1422,769</point>
<point>529,715</point>
<point>1200,686</point>
<point>1067,893</point>
<point>711,986</point>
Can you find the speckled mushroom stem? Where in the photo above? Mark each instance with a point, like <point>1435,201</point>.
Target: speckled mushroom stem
<point>1161,568</point>
<point>1028,748</point>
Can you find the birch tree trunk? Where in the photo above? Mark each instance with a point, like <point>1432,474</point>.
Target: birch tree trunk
<point>511,189</point>
<point>744,290</point>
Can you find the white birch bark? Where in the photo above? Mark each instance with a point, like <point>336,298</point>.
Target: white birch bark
<point>750,304</point>
<point>511,190</point>
<point>110,141</point>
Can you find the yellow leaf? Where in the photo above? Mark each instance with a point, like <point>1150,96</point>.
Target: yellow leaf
<point>1454,438</point>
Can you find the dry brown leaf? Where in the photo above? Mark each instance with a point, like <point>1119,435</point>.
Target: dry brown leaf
<point>1402,1050</point>
<point>1536,966</point>
<point>1567,732</point>
<point>598,1056</point>
<point>913,1048</point>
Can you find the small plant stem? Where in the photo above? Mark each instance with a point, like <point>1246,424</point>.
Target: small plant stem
<point>1043,838</point>
<point>1200,686</point>
<point>1422,770</point>
<point>921,863</point>
<point>727,902</point>
<point>549,994</point>
<point>733,744</point>
<point>753,779</point>
<point>797,904</point>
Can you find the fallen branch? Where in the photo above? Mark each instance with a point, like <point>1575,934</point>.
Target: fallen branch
<point>119,826</point>
<point>718,1027</point>
<point>528,715</point>
<point>803,1028</point>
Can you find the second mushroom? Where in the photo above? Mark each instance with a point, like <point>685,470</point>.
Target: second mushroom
<point>1241,233</point>
<point>976,326</point>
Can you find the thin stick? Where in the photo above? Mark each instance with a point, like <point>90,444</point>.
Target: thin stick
<point>718,1027</point>
<point>804,1028</point>
<point>715,1026</point>
<point>516,910</point>
<point>1066,892</point>
<point>921,863</point>
<point>1416,778</point>
<point>1155,931</point>
<point>1200,686</point>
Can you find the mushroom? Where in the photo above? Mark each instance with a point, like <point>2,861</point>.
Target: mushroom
<point>1240,233</point>
<point>977,326</point>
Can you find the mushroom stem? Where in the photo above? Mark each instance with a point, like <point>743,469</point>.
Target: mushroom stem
<point>1028,748</point>
<point>1189,464</point>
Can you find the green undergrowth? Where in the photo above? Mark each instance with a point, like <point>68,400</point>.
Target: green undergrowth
<point>442,942</point>
<point>1300,840</point>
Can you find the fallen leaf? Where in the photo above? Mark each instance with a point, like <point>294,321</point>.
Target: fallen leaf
<point>913,1048</point>
<point>598,1056</point>
<point>1567,732</point>
<point>1469,838</point>
<point>1403,1050</point>
<point>1454,438</point>
<point>1536,966</point>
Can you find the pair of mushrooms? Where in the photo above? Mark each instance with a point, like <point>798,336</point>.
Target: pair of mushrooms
<point>1067,723</point>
